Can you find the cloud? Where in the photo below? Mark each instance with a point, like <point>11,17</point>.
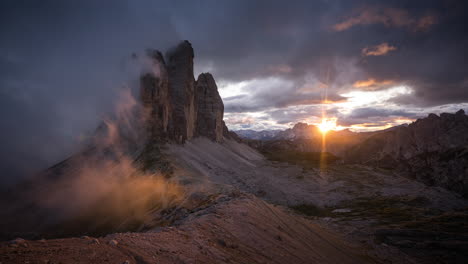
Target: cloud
<point>378,50</point>
<point>372,84</point>
<point>390,17</point>
<point>376,118</point>
<point>379,112</point>
<point>274,92</point>
<point>235,97</point>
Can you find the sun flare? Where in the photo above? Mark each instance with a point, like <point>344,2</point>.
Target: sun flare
<point>327,125</point>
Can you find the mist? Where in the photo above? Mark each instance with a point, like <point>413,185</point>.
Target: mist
<point>63,67</point>
<point>103,187</point>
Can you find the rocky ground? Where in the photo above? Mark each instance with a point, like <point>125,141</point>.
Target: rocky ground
<point>230,228</point>
<point>401,220</point>
<point>242,208</point>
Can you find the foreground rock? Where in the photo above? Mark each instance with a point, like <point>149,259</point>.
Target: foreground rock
<point>354,200</point>
<point>233,230</point>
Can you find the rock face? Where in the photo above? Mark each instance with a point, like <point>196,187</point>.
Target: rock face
<point>154,91</point>
<point>182,91</point>
<point>179,107</point>
<point>433,150</point>
<point>210,108</point>
<point>299,131</point>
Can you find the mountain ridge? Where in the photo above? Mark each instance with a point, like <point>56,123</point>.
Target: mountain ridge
<point>433,150</point>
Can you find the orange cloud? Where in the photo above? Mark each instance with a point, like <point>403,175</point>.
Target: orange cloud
<point>378,50</point>
<point>369,84</point>
<point>390,17</point>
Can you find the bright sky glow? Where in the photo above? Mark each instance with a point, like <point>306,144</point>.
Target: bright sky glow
<point>325,115</point>
<point>358,99</point>
<point>327,124</point>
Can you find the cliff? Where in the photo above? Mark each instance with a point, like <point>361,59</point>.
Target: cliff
<point>179,106</point>
<point>433,150</point>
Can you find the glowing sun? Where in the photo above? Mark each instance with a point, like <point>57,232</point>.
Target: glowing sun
<point>327,125</point>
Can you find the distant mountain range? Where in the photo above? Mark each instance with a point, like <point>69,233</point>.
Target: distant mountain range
<point>258,135</point>
<point>298,131</point>
<point>303,137</point>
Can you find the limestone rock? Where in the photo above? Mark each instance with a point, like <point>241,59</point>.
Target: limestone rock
<point>210,108</point>
<point>182,91</point>
<point>154,92</point>
<point>177,106</point>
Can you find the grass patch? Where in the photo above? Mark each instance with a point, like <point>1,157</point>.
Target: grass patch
<point>152,160</point>
<point>307,160</point>
<point>310,210</point>
<point>387,210</point>
<point>451,222</point>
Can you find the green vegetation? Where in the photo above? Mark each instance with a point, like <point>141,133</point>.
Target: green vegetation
<point>386,210</point>
<point>307,160</point>
<point>450,222</point>
<point>310,210</point>
<point>152,160</point>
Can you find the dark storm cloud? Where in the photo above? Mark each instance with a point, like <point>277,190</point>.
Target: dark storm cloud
<point>286,116</point>
<point>62,62</point>
<point>378,112</point>
<point>265,94</point>
<point>374,117</point>
<point>433,62</point>
<point>235,97</point>
<point>425,44</point>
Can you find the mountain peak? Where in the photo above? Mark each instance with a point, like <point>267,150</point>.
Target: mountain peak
<point>300,125</point>
<point>181,107</point>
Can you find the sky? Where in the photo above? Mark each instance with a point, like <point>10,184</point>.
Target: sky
<point>368,64</point>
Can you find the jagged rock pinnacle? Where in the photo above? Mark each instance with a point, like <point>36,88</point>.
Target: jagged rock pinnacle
<point>180,107</point>
<point>210,108</point>
<point>182,91</point>
<point>155,96</point>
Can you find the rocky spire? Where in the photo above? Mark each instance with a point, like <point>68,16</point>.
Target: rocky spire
<point>182,91</point>
<point>210,108</point>
<point>180,108</point>
<point>154,91</point>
